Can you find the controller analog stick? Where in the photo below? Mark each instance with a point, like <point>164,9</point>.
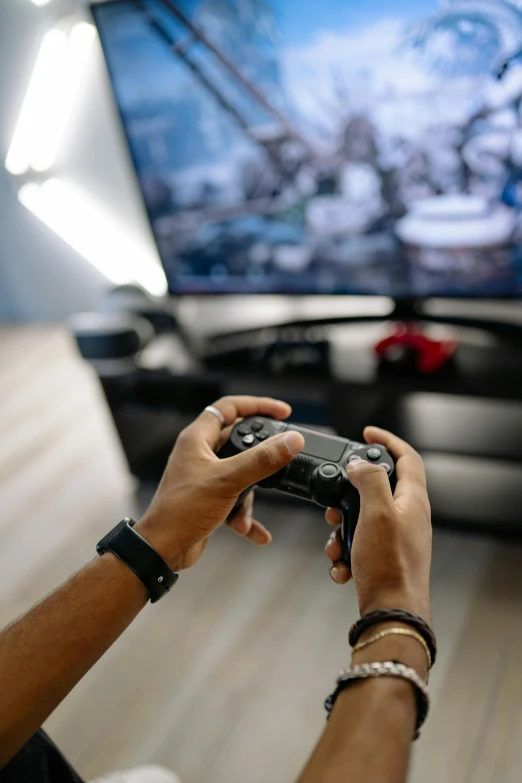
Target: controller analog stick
<point>329,473</point>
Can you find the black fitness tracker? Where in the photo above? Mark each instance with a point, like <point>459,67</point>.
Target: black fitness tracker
<point>140,557</point>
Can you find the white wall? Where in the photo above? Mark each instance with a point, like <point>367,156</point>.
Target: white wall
<point>41,278</point>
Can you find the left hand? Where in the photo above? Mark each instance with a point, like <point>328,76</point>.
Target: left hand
<point>198,490</point>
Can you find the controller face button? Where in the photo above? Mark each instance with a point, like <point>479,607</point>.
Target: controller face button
<point>248,439</point>
<point>243,429</point>
<point>262,434</point>
<point>374,454</point>
<point>257,424</point>
<point>387,467</point>
<point>354,457</point>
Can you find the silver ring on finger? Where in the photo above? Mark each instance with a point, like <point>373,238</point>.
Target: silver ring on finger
<point>219,416</point>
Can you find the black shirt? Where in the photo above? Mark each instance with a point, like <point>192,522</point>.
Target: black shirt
<point>39,761</point>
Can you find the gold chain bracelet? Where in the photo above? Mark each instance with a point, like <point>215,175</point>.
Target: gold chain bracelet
<point>395,632</point>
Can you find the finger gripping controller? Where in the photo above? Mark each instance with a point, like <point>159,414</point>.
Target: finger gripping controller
<point>317,474</point>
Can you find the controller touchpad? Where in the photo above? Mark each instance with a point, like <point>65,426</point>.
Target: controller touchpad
<point>322,446</point>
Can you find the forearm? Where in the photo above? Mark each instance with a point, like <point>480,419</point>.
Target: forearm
<point>369,735</point>
<point>48,650</point>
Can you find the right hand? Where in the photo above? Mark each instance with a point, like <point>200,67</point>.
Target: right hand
<point>391,554</point>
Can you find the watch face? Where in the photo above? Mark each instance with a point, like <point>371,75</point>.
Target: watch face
<point>102,545</point>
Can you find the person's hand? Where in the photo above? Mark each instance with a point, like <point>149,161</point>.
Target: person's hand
<point>391,553</point>
<point>198,490</point>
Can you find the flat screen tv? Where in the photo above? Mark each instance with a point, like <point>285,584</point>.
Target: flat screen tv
<point>333,147</point>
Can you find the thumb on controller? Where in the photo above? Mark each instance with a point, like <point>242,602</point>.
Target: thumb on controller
<point>373,485</point>
<point>258,463</point>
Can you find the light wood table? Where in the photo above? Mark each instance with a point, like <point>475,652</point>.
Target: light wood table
<point>224,680</point>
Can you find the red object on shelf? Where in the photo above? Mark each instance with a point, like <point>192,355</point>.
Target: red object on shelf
<point>431,354</point>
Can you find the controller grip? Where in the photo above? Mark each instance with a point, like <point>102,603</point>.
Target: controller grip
<point>350,516</point>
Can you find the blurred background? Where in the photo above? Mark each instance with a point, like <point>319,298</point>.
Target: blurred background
<point>316,202</point>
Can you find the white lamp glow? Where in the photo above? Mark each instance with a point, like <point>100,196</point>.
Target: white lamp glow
<point>46,71</point>
<point>49,98</point>
<point>60,97</point>
<point>84,225</point>
<point>40,2</point>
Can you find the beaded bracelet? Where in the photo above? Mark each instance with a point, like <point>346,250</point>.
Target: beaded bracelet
<point>384,669</point>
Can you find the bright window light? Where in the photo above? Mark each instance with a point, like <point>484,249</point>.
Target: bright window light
<point>85,226</point>
<point>40,2</point>
<point>46,71</point>
<point>60,100</point>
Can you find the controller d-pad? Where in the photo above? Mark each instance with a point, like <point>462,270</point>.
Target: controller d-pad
<point>243,429</point>
<point>256,425</point>
<point>262,434</point>
<point>248,439</point>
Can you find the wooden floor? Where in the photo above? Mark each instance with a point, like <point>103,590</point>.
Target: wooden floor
<point>224,680</point>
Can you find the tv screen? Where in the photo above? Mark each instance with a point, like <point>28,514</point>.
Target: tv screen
<point>341,146</point>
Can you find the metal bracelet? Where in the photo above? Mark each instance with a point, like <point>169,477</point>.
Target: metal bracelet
<point>387,615</point>
<point>395,632</point>
<point>384,669</point>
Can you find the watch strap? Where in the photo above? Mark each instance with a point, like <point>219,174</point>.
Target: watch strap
<point>138,555</point>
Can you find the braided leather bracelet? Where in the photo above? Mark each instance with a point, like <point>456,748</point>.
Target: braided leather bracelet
<point>384,669</point>
<point>395,615</point>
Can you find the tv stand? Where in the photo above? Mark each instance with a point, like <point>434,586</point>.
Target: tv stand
<point>236,347</point>
<point>416,310</point>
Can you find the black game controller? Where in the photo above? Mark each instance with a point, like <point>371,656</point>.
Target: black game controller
<point>317,473</point>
